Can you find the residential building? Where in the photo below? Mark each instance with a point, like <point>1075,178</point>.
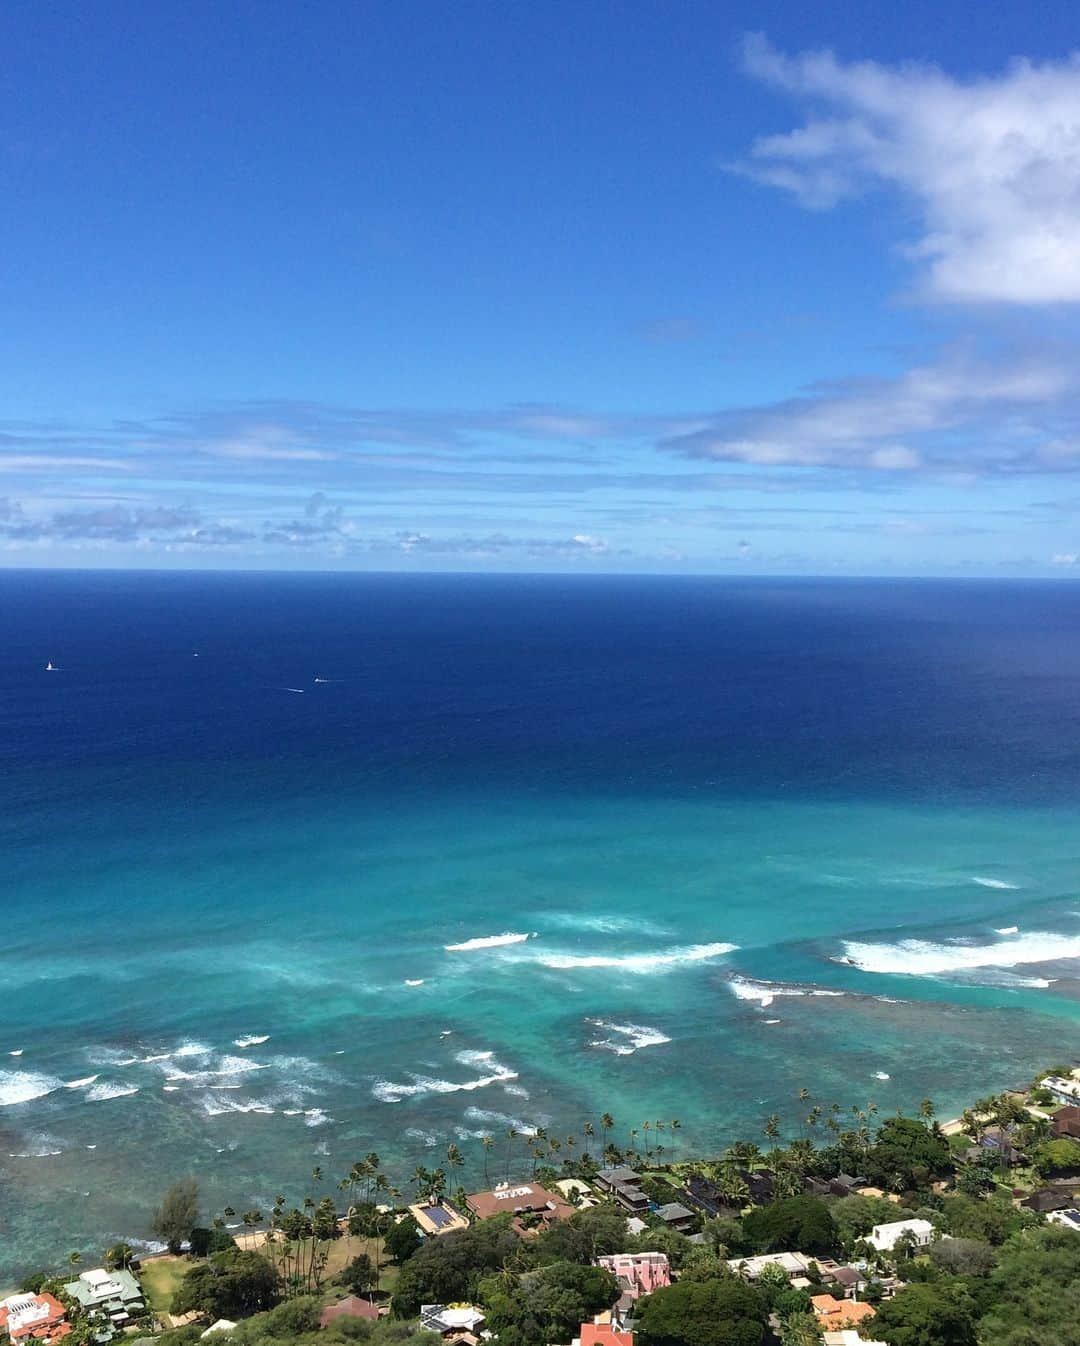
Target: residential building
<point>1048,1199</point>
<point>840,1313</point>
<point>457,1323</point>
<point>532,1206</point>
<point>222,1325</point>
<point>1069,1218</point>
<point>750,1268</point>
<point>115,1295</point>
<point>676,1216</point>
<point>846,1184</point>
<point>638,1273</point>
<point>30,1318</point>
<point>621,1183</point>
<point>1066,1122</point>
<point>437,1217</point>
<point>352,1306</point>
<point>1064,1090</point>
<point>603,1334</point>
<point>577,1192</point>
<point>884,1237</point>
<point>851,1281</point>
<point>707,1197</point>
<point>848,1336</point>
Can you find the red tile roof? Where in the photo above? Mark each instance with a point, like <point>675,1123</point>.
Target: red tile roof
<point>603,1334</point>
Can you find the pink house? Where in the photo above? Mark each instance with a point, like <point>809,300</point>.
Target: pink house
<point>638,1273</point>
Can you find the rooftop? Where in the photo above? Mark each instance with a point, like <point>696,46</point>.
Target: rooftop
<point>522,1199</point>
<point>352,1306</point>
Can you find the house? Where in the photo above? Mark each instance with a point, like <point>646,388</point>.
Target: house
<point>707,1197</point>
<point>1047,1199</point>
<point>603,1334</point>
<point>1066,1123</point>
<point>762,1187</point>
<point>437,1217</point>
<point>884,1237</point>
<point>29,1318</point>
<point>851,1280</point>
<point>676,1216</point>
<point>532,1206</point>
<point>635,1226</point>
<point>352,1306</point>
<point>1064,1090</point>
<point>848,1337</point>
<point>115,1295</point>
<point>222,1325</point>
<point>846,1184</point>
<point>460,1322</point>
<point>621,1183</point>
<point>998,1140</point>
<point>576,1192</point>
<point>840,1313</point>
<point>750,1268</point>
<point>637,1273</point>
<point>1069,1218</point>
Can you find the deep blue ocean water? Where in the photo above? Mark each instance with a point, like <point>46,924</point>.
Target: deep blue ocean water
<point>751,835</point>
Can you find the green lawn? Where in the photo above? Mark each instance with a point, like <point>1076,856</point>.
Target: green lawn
<point>160,1276</point>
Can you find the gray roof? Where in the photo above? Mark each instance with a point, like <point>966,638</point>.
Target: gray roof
<point>621,1174</point>
<point>674,1211</point>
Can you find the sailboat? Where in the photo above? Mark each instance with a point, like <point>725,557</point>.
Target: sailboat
<point>50,667</point>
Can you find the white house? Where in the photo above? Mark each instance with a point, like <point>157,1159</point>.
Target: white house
<point>884,1237</point>
<point>1065,1091</point>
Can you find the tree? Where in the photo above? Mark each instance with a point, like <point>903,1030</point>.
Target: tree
<point>232,1284</point>
<point>402,1239</point>
<point>927,1315</point>
<point>1035,1291</point>
<point>178,1213</point>
<point>1057,1156</point>
<point>358,1275</point>
<point>713,1313</point>
<point>204,1242</point>
<point>119,1257</point>
<point>906,1155</point>
<point>796,1224</point>
<point>448,1269</point>
<point>548,1304</point>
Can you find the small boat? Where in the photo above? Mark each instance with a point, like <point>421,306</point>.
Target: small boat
<point>50,667</point>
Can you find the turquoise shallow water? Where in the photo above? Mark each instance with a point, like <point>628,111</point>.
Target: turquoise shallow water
<point>703,808</point>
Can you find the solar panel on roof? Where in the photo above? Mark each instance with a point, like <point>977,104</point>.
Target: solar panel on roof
<point>438,1217</point>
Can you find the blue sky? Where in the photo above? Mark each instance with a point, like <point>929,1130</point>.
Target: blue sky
<point>608,286</point>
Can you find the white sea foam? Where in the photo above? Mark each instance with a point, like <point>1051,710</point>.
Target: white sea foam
<point>923,958</point>
<point>192,1049</point>
<point>635,962</point>
<point>414,981</point>
<point>19,1052</point>
<point>992,883</point>
<point>428,1137</point>
<point>880,1075</point>
<point>486,942</point>
<point>23,1086</point>
<point>251,1040</point>
<point>80,1084</point>
<point>628,1038</point>
<point>772,1021</point>
<point>101,1093</point>
<point>214,1106</point>
<point>765,992</point>
<point>38,1147</point>
<point>1007,930</point>
<point>386,1091</point>
<point>315,1117</point>
<point>499,1119</point>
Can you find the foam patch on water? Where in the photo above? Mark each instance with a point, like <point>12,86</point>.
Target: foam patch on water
<point>502,1120</point>
<point>637,963</point>
<point>765,992</point>
<point>414,981</point>
<point>880,1075</point>
<point>386,1091</point>
<point>80,1084</point>
<point>1007,930</point>
<point>101,1093</point>
<point>24,1086</point>
<point>251,1040</point>
<point>38,1147</point>
<point>992,883</point>
<point>628,1038</point>
<point>486,942</point>
<point>924,958</point>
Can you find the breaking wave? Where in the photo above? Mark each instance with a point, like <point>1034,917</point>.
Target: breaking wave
<point>80,1084</point>
<point>251,1040</point>
<point>628,1038</point>
<point>101,1093</point>
<point>386,1091</point>
<point>992,883</point>
<point>486,942</point>
<point>635,962</point>
<point>923,958</point>
<point>765,992</point>
<point>23,1086</point>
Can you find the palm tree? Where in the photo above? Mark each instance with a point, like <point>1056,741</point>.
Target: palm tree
<point>74,1259</point>
<point>607,1122</point>
<point>771,1129</point>
<point>674,1125</point>
<point>454,1157</point>
<point>316,1173</point>
<point>488,1143</point>
<point>926,1109</point>
<point>511,1136</point>
<point>588,1131</point>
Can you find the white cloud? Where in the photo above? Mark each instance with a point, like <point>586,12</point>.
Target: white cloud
<point>952,414</point>
<point>992,164</point>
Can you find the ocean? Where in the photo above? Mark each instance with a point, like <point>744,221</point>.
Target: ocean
<point>296,867</point>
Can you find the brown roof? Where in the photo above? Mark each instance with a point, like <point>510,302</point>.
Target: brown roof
<point>520,1199</point>
<point>350,1307</point>
<point>1066,1121</point>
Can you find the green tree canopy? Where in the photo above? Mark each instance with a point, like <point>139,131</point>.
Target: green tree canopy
<point>1035,1291</point>
<point>402,1239</point>
<point>233,1284</point>
<point>907,1155</point>
<point>710,1313</point>
<point>796,1224</point>
<point>927,1315</point>
<point>178,1213</point>
<point>446,1270</point>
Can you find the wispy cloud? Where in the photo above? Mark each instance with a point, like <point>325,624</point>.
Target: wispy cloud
<point>991,164</point>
